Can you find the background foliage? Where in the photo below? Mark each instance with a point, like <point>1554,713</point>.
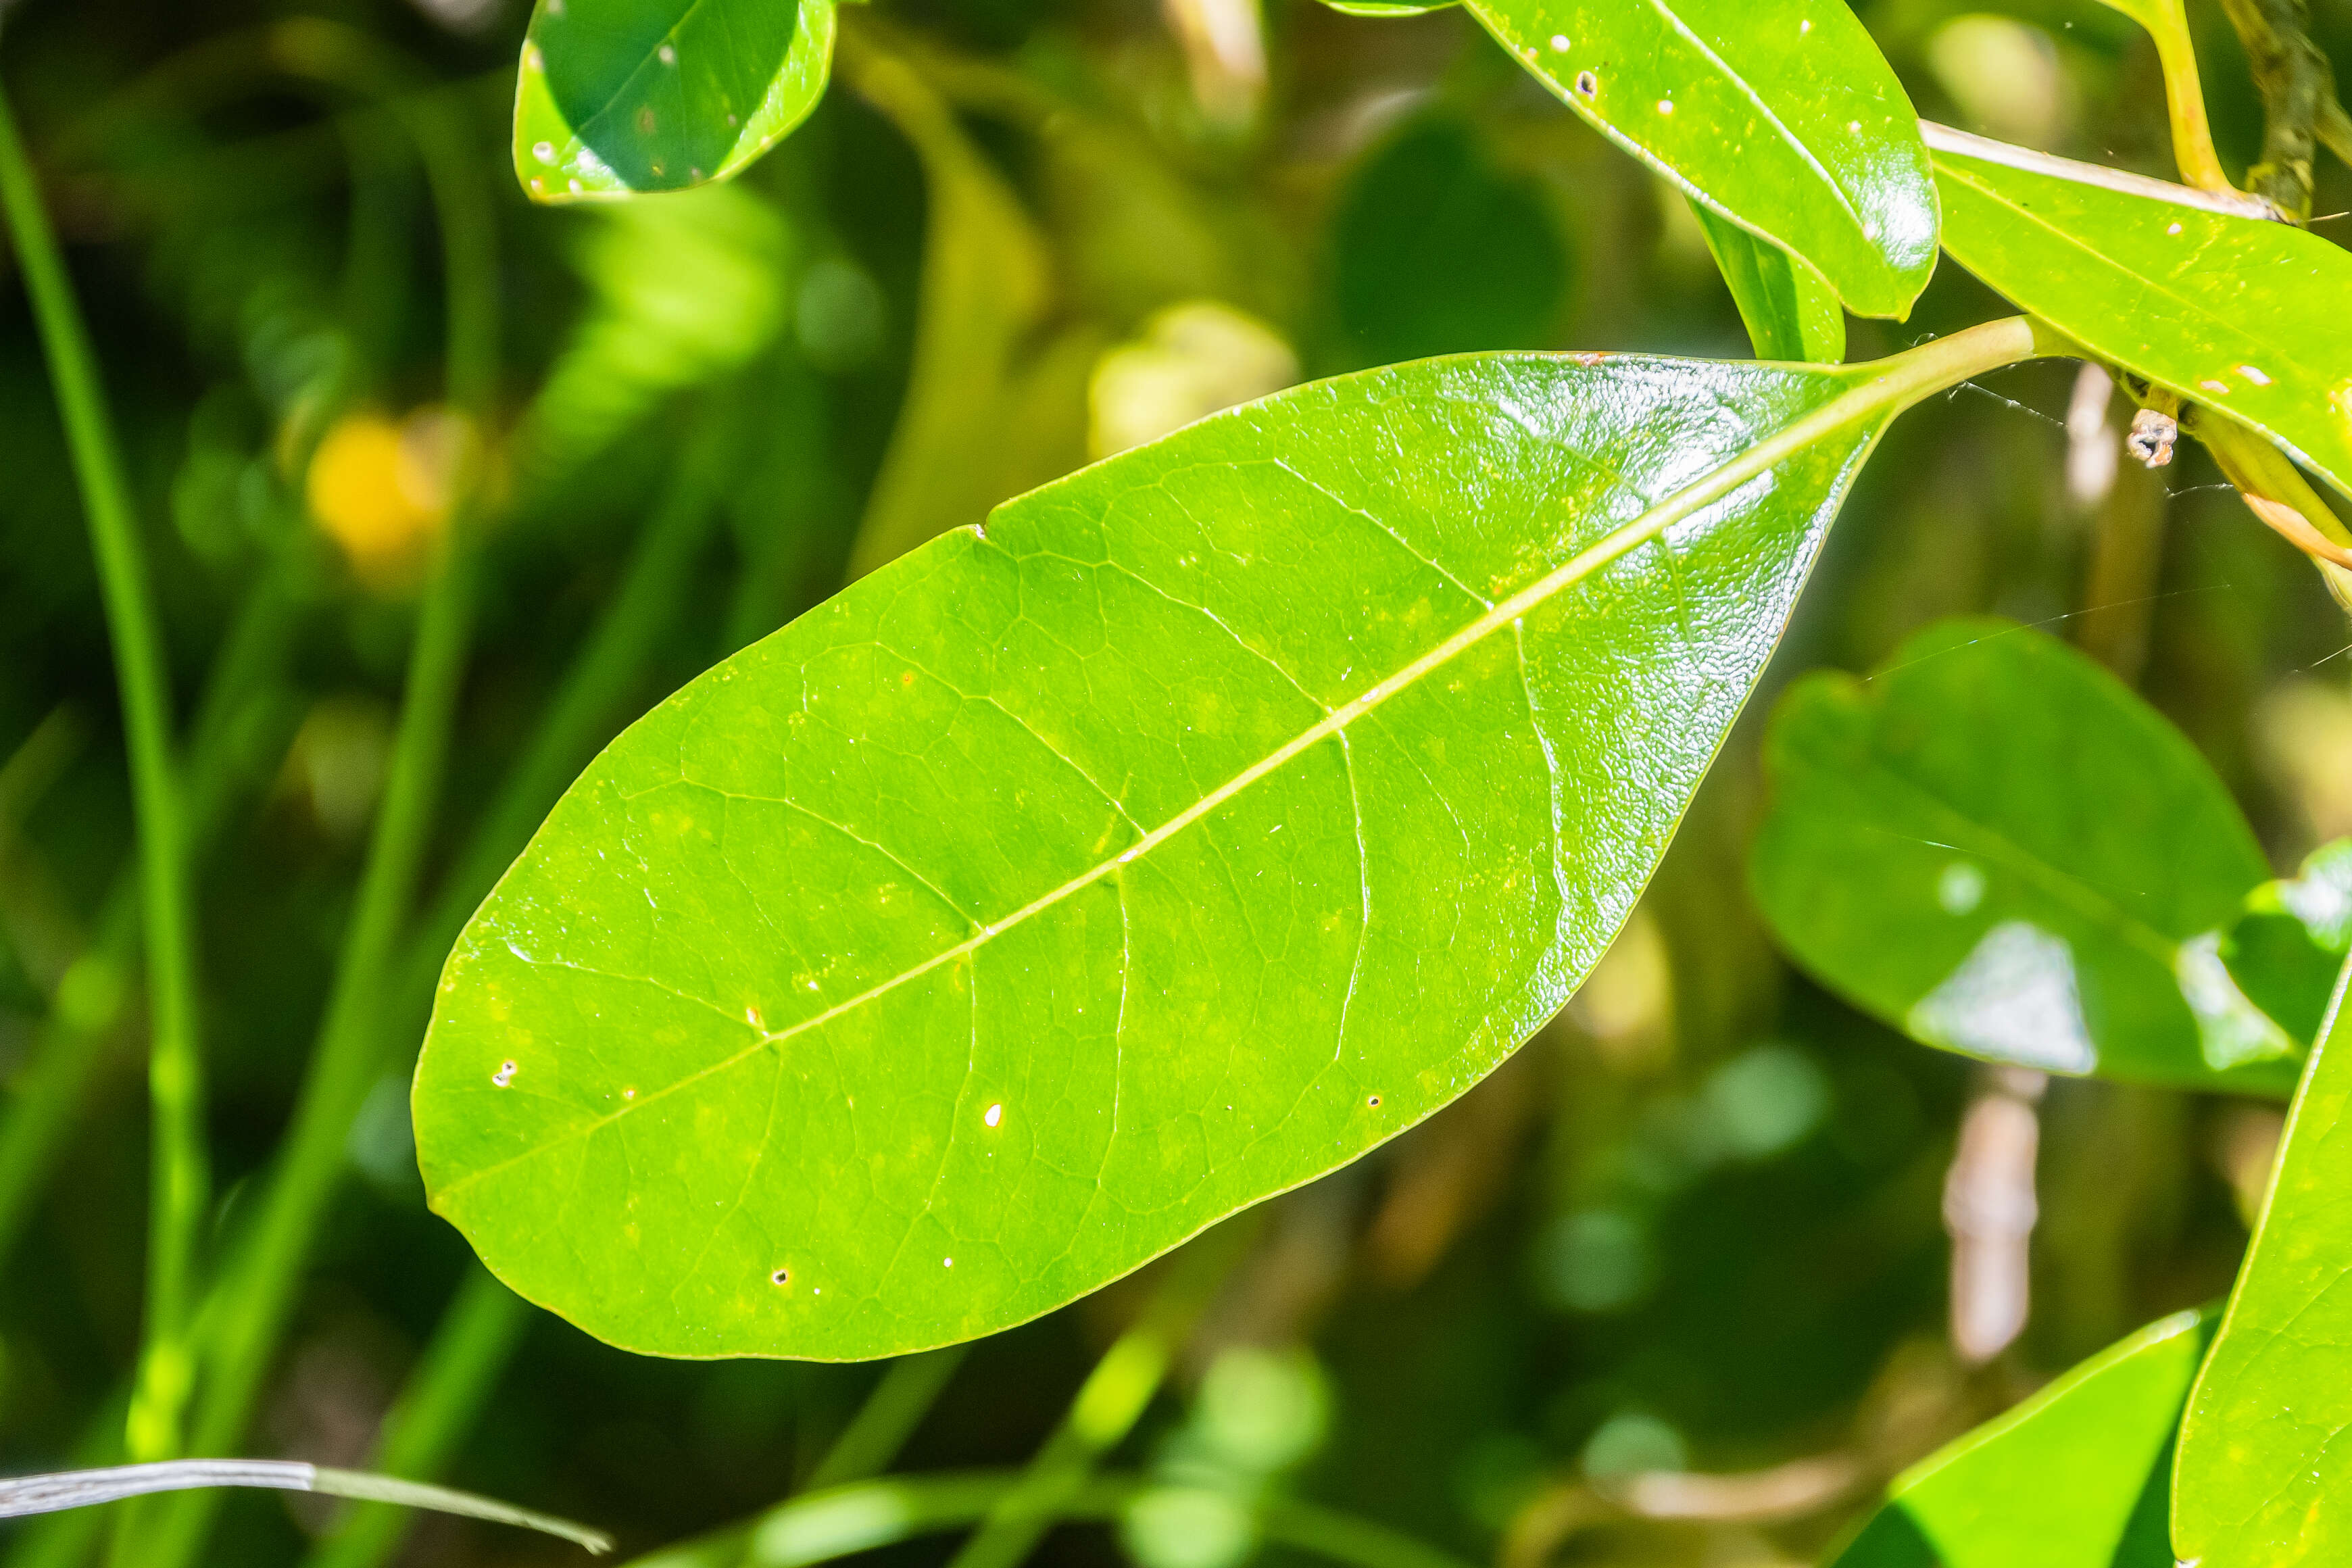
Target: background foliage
<point>1699,1225</point>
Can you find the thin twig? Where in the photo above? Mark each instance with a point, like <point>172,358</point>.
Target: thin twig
<point>63,1489</point>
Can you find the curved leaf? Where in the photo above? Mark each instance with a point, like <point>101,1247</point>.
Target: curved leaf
<point>1215,815</point>
<point>617,97</point>
<point>2244,316</point>
<point>2076,1476</point>
<point>2292,938</point>
<point>2263,1476</point>
<point>1790,314</point>
<point>1779,114</point>
<point>1996,847</point>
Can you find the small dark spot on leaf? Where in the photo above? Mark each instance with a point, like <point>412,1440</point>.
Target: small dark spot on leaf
<point>1374,1102</point>
<point>1587,84</point>
<point>780,1277</point>
<point>505,1075</point>
<point>645,120</point>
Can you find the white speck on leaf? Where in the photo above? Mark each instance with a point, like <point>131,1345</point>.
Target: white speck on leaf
<point>994,1114</point>
<point>669,53</point>
<point>1559,43</point>
<point>505,1075</point>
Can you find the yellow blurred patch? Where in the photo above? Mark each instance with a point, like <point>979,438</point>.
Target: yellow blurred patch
<point>381,490</point>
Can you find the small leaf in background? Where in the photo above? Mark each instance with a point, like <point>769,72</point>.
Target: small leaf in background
<point>2077,1477</point>
<point>2242,316</point>
<point>1215,815</point>
<point>1994,846</point>
<point>2286,947</point>
<point>681,292</point>
<point>995,400</point>
<point>1790,314</point>
<point>616,96</point>
<point>1780,114</point>
<point>2263,1475</point>
<point>1425,210</point>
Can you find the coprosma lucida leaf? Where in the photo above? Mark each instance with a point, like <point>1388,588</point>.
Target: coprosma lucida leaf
<point>1211,816</point>
<point>616,96</point>
<point>1995,846</point>
<point>2263,1478</point>
<point>1779,114</point>
<point>2077,1477</point>
<point>2244,316</point>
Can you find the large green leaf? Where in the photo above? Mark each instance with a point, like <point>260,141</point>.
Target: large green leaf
<point>2263,1476</point>
<point>1779,114</point>
<point>2241,315</point>
<point>2292,938</point>
<point>621,96</point>
<point>1213,816</point>
<point>2077,1477</point>
<point>1995,846</point>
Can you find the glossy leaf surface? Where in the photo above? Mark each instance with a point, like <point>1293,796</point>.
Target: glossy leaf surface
<point>1790,314</point>
<point>2077,1477</point>
<point>1779,114</point>
<point>2292,938</point>
<point>1996,847</point>
<point>1218,813</point>
<point>2244,316</point>
<point>2263,1477</point>
<point>616,96</point>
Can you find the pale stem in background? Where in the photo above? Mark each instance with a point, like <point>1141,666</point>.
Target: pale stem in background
<point>1990,1210</point>
<point>1224,52</point>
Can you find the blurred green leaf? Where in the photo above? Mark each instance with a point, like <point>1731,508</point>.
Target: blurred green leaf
<point>2244,316</point>
<point>619,96</point>
<point>1427,210</point>
<point>2290,940</point>
<point>988,411</point>
<point>1790,314</point>
<point>2076,1476</point>
<point>1993,846</point>
<point>1057,891</point>
<point>1389,7</point>
<point>2261,1479</point>
<point>1781,115</point>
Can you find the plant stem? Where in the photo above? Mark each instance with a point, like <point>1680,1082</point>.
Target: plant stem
<point>894,1409</point>
<point>460,1370</point>
<point>343,1067</point>
<point>1108,1403</point>
<point>482,1325</point>
<point>96,996</point>
<point>180,1186</point>
<point>865,1448</point>
<point>2298,88</point>
<point>824,1526</point>
<point>2184,99</point>
<point>263,1280</point>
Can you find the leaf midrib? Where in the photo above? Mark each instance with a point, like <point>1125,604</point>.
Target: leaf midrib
<point>1852,406</point>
